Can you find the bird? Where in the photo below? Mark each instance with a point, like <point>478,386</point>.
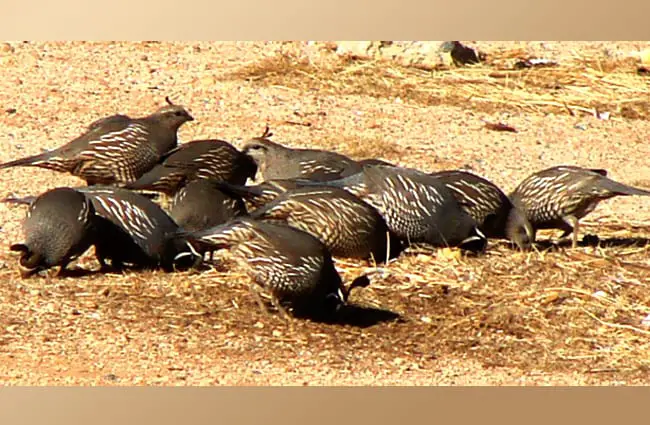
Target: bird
<point>293,266</point>
<point>417,207</point>
<point>558,197</point>
<point>255,196</point>
<point>134,231</point>
<point>375,161</point>
<point>202,204</point>
<point>490,207</point>
<point>348,226</point>
<point>116,149</point>
<point>58,228</point>
<point>200,159</point>
<point>276,161</point>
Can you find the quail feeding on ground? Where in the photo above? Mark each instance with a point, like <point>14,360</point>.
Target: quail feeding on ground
<point>295,267</point>
<point>202,204</point>
<point>558,197</point>
<point>417,207</point>
<point>492,210</point>
<point>115,149</point>
<point>133,230</point>
<point>275,161</point>
<point>200,159</point>
<point>348,226</point>
<point>58,228</point>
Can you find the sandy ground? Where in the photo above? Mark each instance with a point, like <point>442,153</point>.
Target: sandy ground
<point>188,329</point>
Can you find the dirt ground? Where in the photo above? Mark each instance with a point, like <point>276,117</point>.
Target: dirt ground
<point>558,316</point>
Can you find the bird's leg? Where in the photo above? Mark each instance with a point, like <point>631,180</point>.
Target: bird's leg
<point>283,312</point>
<point>572,226</point>
<point>255,290</point>
<point>62,270</point>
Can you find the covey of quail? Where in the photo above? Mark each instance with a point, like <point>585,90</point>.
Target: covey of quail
<point>558,197</point>
<point>58,228</point>
<point>116,149</point>
<point>348,226</point>
<point>276,161</point>
<point>200,159</point>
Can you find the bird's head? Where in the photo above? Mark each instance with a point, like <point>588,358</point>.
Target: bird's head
<point>172,116</point>
<point>518,229</point>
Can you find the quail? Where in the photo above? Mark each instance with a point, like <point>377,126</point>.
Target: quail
<point>375,161</point>
<point>134,231</point>
<point>255,196</point>
<point>558,197</point>
<point>58,228</point>
<point>417,207</point>
<point>202,204</point>
<point>348,226</point>
<point>116,149</point>
<point>295,267</point>
<point>200,159</point>
<point>275,161</point>
<point>492,210</point>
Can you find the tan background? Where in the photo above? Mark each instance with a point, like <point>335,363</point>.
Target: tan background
<point>628,22</point>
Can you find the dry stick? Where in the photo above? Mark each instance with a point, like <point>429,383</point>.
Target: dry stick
<point>615,325</point>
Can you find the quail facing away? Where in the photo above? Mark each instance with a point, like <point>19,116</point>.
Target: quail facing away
<point>295,267</point>
<point>201,204</point>
<point>200,159</point>
<point>348,226</point>
<point>275,161</point>
<point>115,149</point>
<point>133,230</point>
<point>58,228</point>
<point>492,210</point>
<point>417,207</point>
<point>558,197</point>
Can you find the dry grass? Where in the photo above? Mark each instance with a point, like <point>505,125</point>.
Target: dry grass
<point>593,83</point>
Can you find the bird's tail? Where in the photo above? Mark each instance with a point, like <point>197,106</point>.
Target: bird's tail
<point>40,160</point>
<point>152,180</point>
<point>27,200</point>
<point>238,190</point>
<point>622,189</point>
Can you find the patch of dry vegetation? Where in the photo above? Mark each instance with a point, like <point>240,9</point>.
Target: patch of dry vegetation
<point>593,83</point>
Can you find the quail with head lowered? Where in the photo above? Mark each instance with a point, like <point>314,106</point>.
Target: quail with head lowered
<point>417,207</point>
<point>58,228</point>
<point>295,267</point>
<point>276,161</point>
<point>492,210</point>
<point>116,149</point>
<point>348,226</point>
<point>134,231</point>
<point>558,197</point>
<point>200,159</point>
<point>202,204</point>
